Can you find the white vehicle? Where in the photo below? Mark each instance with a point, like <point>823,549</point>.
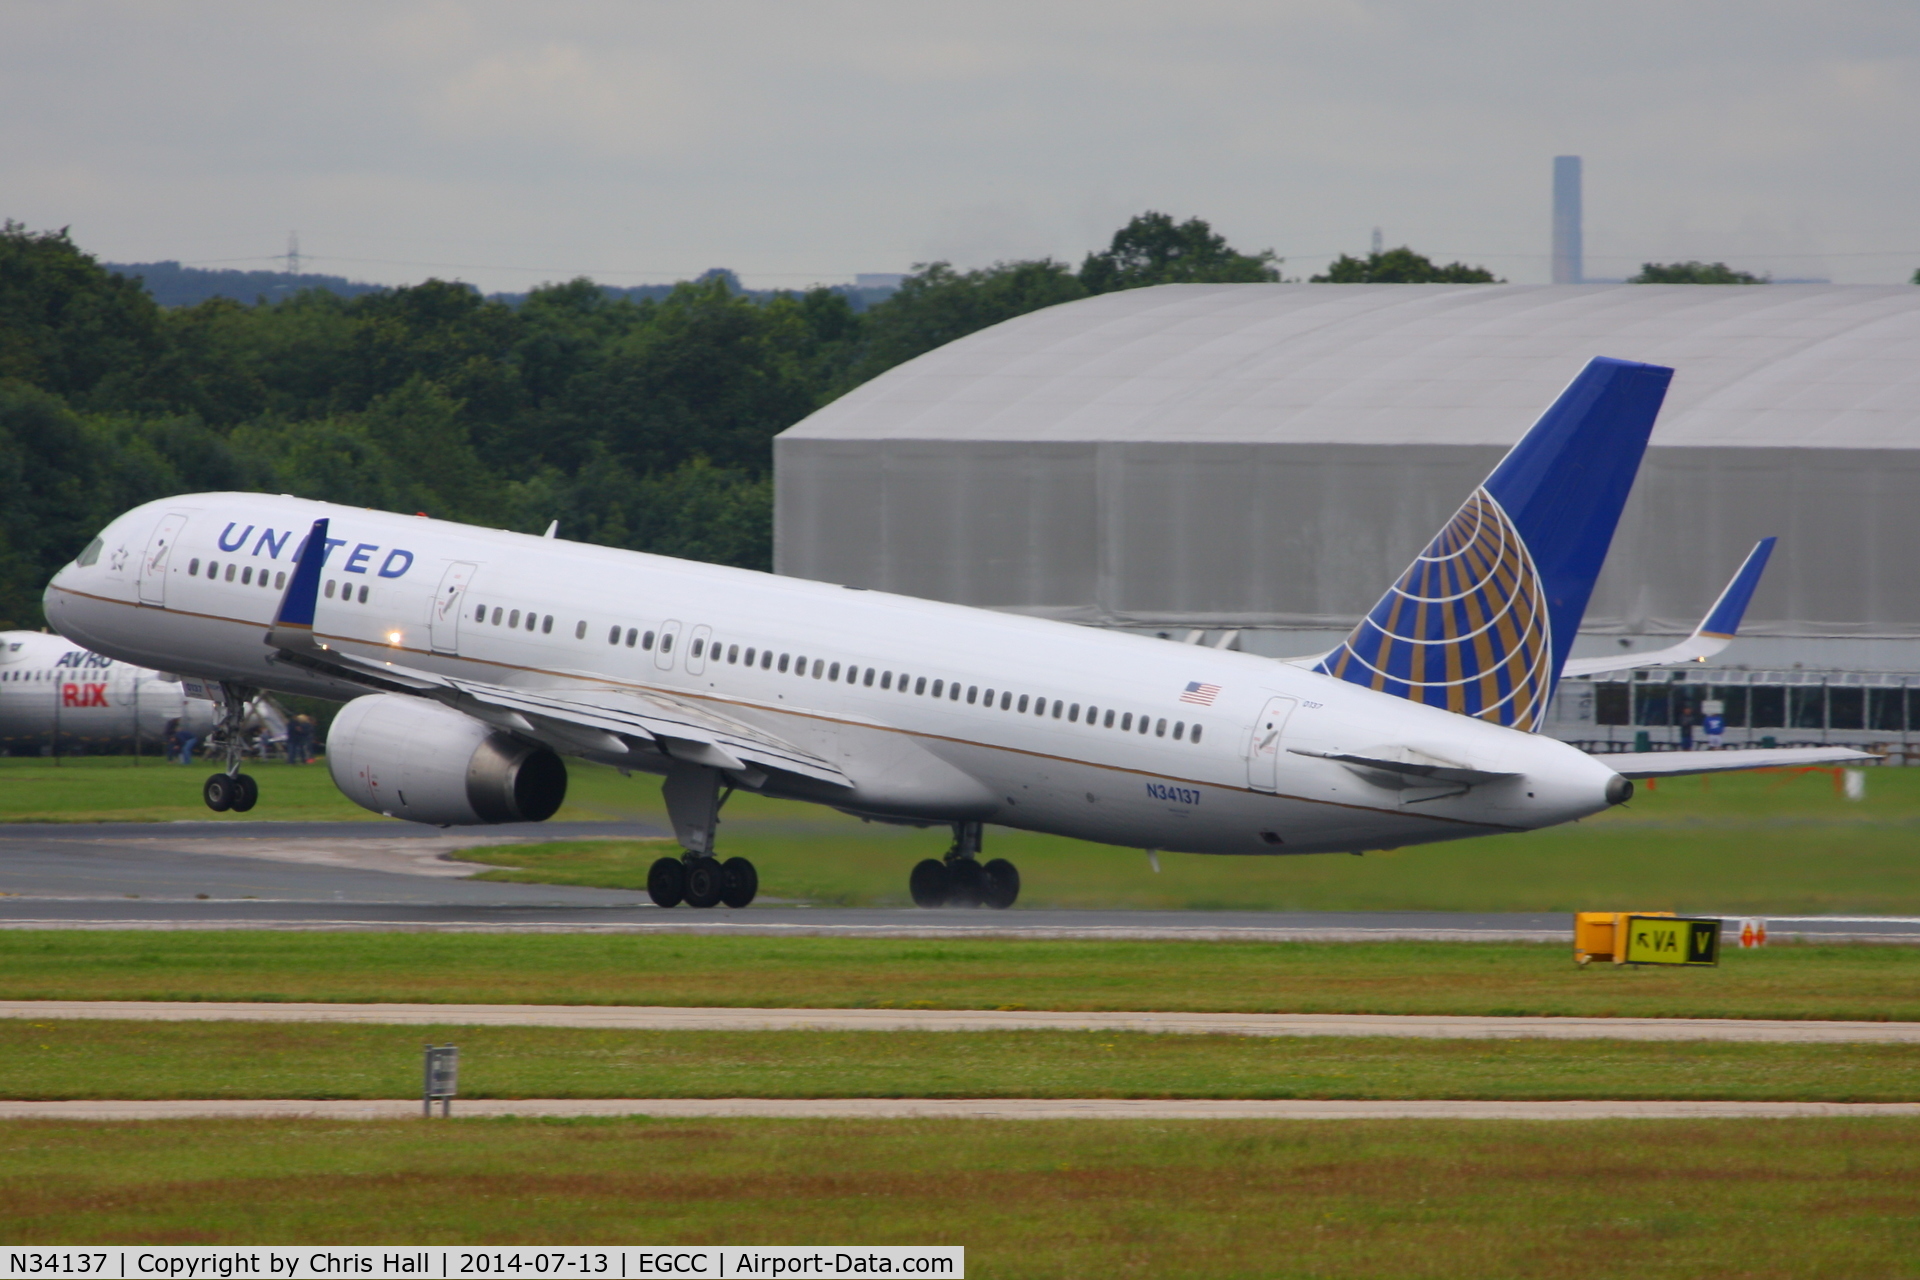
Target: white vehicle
<point>58,697</point>
<point>485,656</point>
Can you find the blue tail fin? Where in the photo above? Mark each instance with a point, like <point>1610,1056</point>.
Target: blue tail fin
<point>1482,621</point>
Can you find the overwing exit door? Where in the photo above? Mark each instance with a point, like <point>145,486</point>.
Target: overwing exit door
<point>1264,748</point>
<point>448,605</point>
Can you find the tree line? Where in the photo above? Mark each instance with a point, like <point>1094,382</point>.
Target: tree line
<point>641,422</point>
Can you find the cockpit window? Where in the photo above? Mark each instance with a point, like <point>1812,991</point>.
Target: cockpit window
<point>91,555</point>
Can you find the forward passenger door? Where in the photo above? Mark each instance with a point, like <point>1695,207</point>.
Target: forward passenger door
<point>153,565</point>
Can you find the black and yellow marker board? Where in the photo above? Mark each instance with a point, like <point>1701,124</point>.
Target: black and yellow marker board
<point>1671,940</point>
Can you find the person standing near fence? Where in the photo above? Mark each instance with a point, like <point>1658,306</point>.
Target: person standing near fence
<point>300,740</point>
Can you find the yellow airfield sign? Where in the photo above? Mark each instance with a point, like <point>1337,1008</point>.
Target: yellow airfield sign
<point>1671,940</point>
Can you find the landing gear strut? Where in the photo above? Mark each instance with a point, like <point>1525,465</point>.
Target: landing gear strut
<point>960,880</point>
<point>698,878</point>
<point>232,789</point>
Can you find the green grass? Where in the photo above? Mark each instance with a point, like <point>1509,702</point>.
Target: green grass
<point>1807,1199</point>
<point>1868,982</point>
<point>115,789</point>
<point>107,1059</point>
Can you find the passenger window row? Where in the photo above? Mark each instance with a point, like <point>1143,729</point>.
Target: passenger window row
<point>644,638</point>
<point>512,617</point>
<point>247,576</point>
<point>869,677</point>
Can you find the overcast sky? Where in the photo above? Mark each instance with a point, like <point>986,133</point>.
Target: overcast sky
<point>796,142</point>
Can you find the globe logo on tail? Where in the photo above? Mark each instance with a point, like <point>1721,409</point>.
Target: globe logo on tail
<point>1464,629</point>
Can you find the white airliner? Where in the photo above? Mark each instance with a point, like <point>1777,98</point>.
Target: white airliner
<point>486,656</point>
<point>56,697</point>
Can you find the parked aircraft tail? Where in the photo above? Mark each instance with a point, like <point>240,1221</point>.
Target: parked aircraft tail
<point>1482,621</point>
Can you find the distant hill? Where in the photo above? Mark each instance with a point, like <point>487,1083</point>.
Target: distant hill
<point>173,285</point>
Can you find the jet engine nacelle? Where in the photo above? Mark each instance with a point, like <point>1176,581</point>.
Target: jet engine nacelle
<point>409,758</point>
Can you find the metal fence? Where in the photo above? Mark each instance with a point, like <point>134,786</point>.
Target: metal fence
<point>1872,710</point>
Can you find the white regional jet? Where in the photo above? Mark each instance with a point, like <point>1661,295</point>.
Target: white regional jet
<point>485,656</point>
<point>56,696</point>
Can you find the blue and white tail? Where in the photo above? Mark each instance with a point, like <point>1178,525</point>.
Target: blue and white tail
<point>1482,621</point>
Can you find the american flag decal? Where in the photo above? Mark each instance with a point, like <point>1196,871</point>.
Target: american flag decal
<point>1200,695</point>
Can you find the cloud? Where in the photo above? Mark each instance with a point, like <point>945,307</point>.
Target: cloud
<point>797,142</point>
<point>601,106</point>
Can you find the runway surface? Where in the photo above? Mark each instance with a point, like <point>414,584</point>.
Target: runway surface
<point>384,875</point>
<point>951,1108</point>
<point>662,1018</point>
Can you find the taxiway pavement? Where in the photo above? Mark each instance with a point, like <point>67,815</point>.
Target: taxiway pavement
<point>383,875</point>
<point>669,1018</point>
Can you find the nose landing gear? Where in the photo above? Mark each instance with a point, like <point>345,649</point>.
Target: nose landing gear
<point>232,789</point>
<point>961,880</point>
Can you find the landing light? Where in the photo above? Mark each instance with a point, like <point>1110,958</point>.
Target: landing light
<point>393,637</point>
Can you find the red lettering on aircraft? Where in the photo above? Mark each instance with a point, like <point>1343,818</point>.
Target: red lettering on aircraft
<point>83,695</point>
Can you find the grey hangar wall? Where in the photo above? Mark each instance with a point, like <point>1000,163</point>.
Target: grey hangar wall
<point>1272,456</point>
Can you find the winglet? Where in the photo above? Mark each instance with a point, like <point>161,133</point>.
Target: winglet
<point>1723,620</point>
<point>1715,633</point>
<point>293,622</point>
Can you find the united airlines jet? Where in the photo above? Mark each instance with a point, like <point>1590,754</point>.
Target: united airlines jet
<point>476,659</point>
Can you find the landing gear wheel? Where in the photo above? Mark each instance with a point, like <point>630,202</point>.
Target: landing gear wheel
<point>219,793</point>
<point>706,881</point>
<point>1002,884</point>
<point>966,883</point>
<point>667,882</point>
<point>928,883</point>
<point>246,793</point>
<point>739,882</point>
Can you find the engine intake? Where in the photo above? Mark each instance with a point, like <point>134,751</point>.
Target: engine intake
<point>409,758</point>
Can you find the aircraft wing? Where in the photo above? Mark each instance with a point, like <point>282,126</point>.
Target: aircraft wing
<point>606,721</point>
<point>1670,764</point>
<point>1715,632</point>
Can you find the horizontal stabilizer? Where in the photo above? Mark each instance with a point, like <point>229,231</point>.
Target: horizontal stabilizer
<point>1715,632</point>
<point>1408,763</point>
<point>1673,764</point>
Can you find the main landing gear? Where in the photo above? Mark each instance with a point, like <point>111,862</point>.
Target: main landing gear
<point>960,880</point>
<point>698,878</point>
<point>232,789</point>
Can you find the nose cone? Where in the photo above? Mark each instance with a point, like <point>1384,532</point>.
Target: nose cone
<point>54,596</point>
